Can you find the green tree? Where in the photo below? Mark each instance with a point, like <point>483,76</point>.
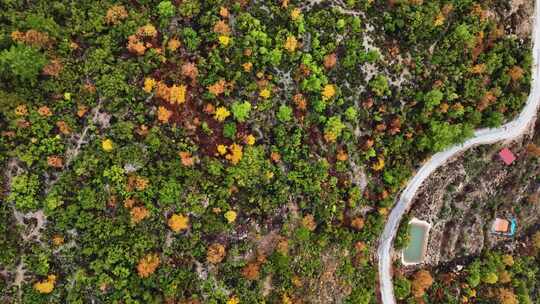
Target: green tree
<point>274,57</point>
<point>284,113</point>
<point>442,134</point>
<point>241,110</point>
<point>334,127</point>
<point>432,99</point>
<point>22,62</point>
<point>24,192</point>
<point>229,130</point>
<point>379,85</point>
<point>190,38</point>
<point>402,288</point>
<point>189,8</point>
<point>166,9</point>
<point>473,274</point>
<point>351,114</point>
<point>490,278</point>
<point>463,36</point>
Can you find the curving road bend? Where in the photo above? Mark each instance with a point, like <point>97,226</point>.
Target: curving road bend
<point>509,131</point>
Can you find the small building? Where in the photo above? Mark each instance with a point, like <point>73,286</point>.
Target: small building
<point>504,227</point>
<point>507,156</point>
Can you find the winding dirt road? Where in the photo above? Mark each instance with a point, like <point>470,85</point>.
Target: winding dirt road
<point>509,131</point>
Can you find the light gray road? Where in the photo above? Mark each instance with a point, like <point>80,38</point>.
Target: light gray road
<point>509,131</point>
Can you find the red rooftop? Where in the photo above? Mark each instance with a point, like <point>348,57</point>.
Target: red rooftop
<point>507,156</point>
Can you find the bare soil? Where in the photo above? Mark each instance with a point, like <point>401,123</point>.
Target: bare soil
<point>462,199</point>
<point>520,17</point>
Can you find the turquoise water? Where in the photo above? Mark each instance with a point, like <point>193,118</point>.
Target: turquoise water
<point>413,253</point>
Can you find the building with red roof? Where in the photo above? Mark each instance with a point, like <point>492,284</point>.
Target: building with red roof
<point>504,226</point>
<point>507,156</point>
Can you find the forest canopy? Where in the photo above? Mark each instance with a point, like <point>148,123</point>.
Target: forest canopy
<point>230,151</point>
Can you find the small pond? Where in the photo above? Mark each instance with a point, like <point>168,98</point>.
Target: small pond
<point>416,249</point>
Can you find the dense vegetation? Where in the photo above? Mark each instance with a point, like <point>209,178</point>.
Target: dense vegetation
<point>229,151</point>
<point>466,262</point>
<point>494,277</point>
